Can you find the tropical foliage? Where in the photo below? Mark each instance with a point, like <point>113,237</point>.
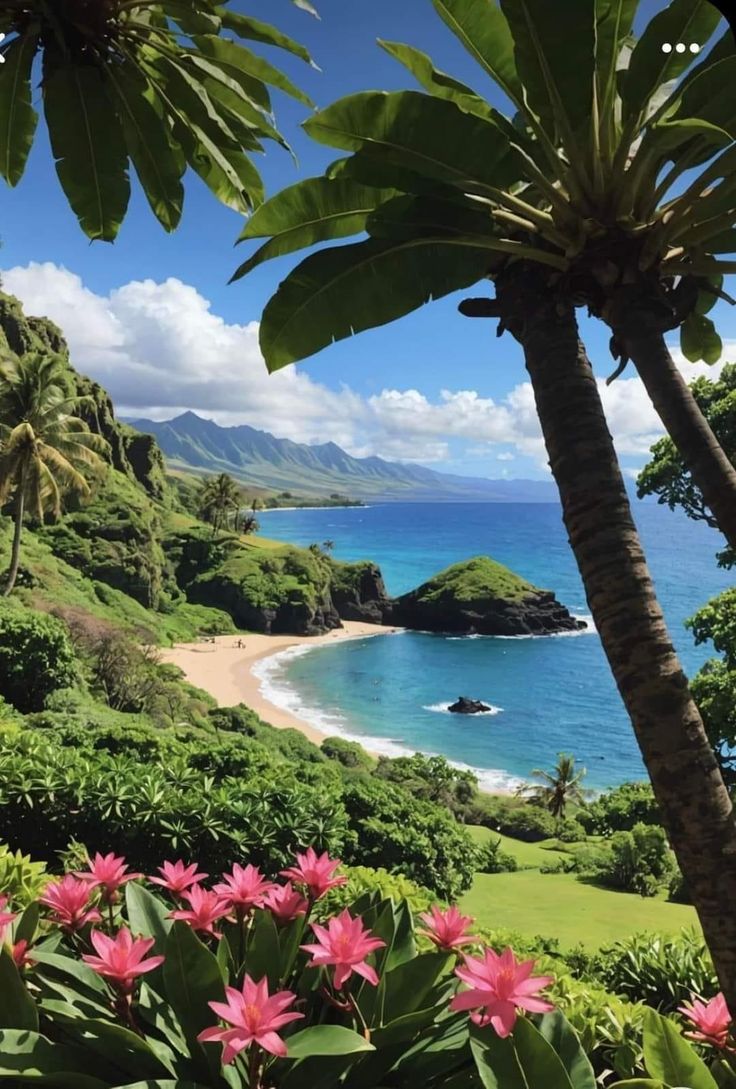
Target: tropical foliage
<point>219,501</point>
<point>114,981</point>
<point>44,445</point>
<point>162,85</point>
<point>559,788</point>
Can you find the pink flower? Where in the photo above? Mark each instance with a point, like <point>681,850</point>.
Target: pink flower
<point>711,1019</point>
<point>285,903</point>
<point>447,929</point>
<point>255,1015</point>
<point>69,901</point>
<point>205,908</point>
<point>19,953</point>
<point>122,958</point>
<point>109,872</point>
<point>315,871</point>
<point>499,985</point>
<point>6,918</point>
<point>345,943</point>
<point>244,888</point>
<point>177,878</point>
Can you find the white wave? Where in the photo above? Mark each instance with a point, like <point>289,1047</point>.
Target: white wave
<point>275,689</point>
<point>444,709</point>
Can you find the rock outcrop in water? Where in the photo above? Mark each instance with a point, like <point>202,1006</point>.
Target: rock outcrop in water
<point>480,596</point>
<point>465,706</point>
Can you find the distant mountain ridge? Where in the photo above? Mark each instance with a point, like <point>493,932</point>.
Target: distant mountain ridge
<point>260,459</point>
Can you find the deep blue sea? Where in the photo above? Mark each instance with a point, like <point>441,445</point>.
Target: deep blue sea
<point>549,694</point>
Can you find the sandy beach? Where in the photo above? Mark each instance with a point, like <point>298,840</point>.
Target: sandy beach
<point>224,669</point>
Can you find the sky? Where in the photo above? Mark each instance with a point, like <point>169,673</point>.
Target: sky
<point>153,319</point>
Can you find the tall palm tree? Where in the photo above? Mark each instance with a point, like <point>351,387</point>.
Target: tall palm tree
<point>559,788</point>
<point>220,497</point>
<point>44,446</point>
<point>562,203</point>
<point>159,83</point>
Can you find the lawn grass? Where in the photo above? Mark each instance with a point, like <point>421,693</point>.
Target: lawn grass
<point>571,910</point>
<point>528,855</point>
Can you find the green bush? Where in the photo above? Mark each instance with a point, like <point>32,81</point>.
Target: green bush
<point>526,822</point>
<point>618,810</point>
<point>348,753</point>
<point>661,970</point>
<point>491,859</point>
<point>363,880</point>
<point>570,831</point>
<point>637,861</point>
<point>21,880</point>
<point>36,656</point>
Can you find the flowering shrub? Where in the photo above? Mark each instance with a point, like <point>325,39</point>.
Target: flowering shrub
<point>106,984</point>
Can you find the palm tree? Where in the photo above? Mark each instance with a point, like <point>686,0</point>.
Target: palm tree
<point>219,499</point>
<point>561,204</point>
<point>558,788</point>
<point>156,82</point>
<point>44,446</point>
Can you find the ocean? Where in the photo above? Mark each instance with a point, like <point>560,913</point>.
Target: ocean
<point>548,694</point>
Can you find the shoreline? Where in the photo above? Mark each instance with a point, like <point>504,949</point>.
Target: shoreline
<point>226,671</point>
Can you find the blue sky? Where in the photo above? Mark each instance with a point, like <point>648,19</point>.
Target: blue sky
<point>137,314</point>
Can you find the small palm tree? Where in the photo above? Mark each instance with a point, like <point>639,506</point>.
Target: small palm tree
<point>43,445</point>
<point>219,498</point>
<point>558,788</point>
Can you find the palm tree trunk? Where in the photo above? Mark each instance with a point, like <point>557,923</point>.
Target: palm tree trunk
<point>688,428</point>
<point>15,554</point>
<point>687,783</point>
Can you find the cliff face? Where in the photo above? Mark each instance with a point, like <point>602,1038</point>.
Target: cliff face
<point>359,592</point>
<point>481,597</point>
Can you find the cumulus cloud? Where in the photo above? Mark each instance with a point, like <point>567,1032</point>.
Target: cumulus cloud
<point>160,350</point>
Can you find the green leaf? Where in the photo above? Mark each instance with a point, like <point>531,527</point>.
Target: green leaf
<point>71,968</point>
<point>525,1055</point>
<point>32,1057</point>
<point>703,100</point>
<point>306,6</point>
<point>263,957</point>
<point>192,17</point>
<point>192,979</point>
<point>147,915</point>
<point>167,1083</point>
<point>326,1040</point>
<point>706,299</point>
<point>557,70</point>
<point>613,22</point>
<point>420,133</point>
<point>312,211</point>
<point>668,1057</point>
<point>725,242</point>
<point>482,28</point>
<point>158,161</point>
<point>17,1008</point>
<point>236,59</point>
<point>27,925</point>
<point>88,145</point>
<point>637,1083</point>
<point>341,291</point>
<point>434,81</point>
<point>699,339</point>
<point>408,986</point>
<point>18,119</point>
<point>118,1046</point>
<point>254,30</point>
<point>649,67</point>
<point>559,1033</point>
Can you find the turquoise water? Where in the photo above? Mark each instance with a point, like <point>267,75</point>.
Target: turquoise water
<point>549,694</point>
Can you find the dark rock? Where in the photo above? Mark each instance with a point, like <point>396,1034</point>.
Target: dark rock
<point>465,706</point>
<point>359,592</point>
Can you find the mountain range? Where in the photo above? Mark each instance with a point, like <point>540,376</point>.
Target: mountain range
<point>260,459</point>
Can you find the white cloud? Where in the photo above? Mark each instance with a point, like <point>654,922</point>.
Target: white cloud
<point>159,350</point>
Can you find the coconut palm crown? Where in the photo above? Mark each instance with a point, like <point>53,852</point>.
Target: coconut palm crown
<point>613,170</point>
<point>159,83</point>
<point>44,447</point>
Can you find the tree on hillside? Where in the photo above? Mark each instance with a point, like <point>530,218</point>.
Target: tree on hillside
<point>44,446</point>
<point>566,201</point>
<point>667,476</point>
<point>159,83</point>
<point>559,788</point>
<point>219,501</point>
